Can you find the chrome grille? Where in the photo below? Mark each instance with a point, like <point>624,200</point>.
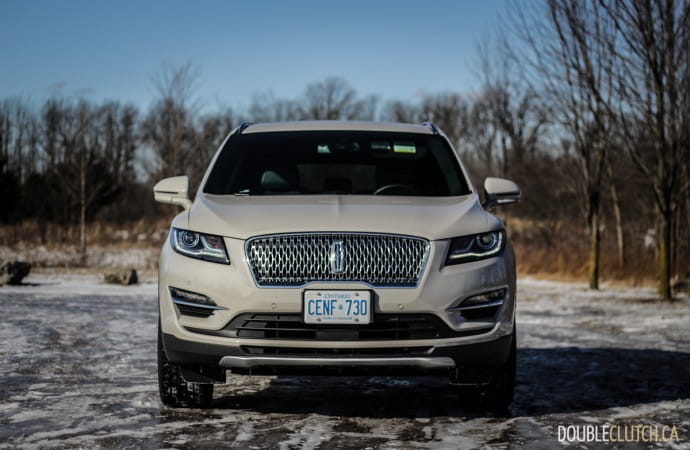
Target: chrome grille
<point>376,259</point>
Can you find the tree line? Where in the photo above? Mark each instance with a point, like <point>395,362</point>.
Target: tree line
<point>585,104</point>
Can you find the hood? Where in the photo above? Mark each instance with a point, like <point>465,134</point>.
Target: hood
<point>242,217</point>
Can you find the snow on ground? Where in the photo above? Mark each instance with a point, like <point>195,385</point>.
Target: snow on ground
<point>78,369</point>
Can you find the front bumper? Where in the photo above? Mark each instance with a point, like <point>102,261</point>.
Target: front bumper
<point>197,340</point>
<point>488,355</point>
<point>253,362</point>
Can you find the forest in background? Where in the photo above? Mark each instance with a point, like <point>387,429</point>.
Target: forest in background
<point>586,105</point>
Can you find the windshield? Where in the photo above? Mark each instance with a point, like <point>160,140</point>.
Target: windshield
<point>337,162</point>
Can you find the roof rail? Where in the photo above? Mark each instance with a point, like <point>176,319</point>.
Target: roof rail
<point>431,126</point>
<point>242,127</point>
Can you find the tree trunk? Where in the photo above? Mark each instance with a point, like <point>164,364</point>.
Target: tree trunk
<point>673,243</point>
<point>665,255</point>
<point>686,239</point>
<point>504,165</point>
<point>82,208</point>
<point>82,237</point>
<point>620,236</point>
<point>594,244</point>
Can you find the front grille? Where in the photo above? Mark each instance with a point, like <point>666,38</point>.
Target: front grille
<point>384,327</point>
<point>377,259</point>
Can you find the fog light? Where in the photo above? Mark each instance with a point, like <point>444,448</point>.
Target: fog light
<point>192,303</point>
<point>189,296</point>
<point>480,306</point>
<point>485,300</point>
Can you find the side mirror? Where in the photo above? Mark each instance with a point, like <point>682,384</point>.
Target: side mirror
<point>174,191</point>
<point>499,191</point>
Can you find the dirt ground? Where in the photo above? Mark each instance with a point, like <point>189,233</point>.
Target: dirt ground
<point>78,370</point>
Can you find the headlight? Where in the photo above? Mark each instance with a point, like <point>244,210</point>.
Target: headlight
<point>472,248</point>
<point>198,245</point>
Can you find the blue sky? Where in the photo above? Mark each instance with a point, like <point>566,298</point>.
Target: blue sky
<point>110,49</point>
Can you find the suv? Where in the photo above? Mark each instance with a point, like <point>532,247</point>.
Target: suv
<point>334,247</point>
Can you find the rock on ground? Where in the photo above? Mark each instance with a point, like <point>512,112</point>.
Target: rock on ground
<point>121,276</point>
<point>13,272</point>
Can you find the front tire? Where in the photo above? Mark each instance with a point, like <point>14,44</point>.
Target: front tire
<point>174,390</point>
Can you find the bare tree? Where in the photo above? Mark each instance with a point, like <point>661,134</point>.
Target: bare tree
<point>267,108</point>
<point>169,128</point>
<point>333,99</point>
<point>90,153</point>
<point>651,103</point>
<point>516,110</point>
<point>72,123</point>
<point>401,111</point>
<point>617,209</point>
<point>211,130</point>
<point>571,65</point>
<point>447,110</point>
<point>118,126</point>
<point>10,160</point>
<point>480,134</point>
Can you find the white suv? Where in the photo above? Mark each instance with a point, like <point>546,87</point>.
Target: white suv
<point>336,248</point>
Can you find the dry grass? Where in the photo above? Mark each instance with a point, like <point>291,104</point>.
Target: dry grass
<point>131,234</point>
<point>555,251</point>
<point>133,244</point>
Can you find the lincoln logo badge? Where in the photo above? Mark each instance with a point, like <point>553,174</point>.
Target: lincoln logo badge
<point>337,257</point>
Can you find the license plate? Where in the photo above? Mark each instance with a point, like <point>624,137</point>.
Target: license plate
<point>337,307</point>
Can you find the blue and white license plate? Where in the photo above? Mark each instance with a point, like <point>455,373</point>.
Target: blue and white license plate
<point>337,307</point>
